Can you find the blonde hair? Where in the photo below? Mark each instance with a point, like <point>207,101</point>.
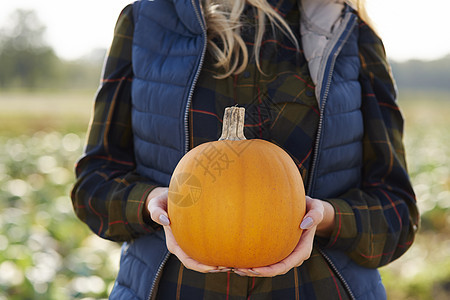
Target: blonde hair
<point>223,19</point>
<point>361,8</point>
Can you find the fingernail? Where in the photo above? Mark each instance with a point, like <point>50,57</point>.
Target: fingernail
<point>253,272</point>
<point>306,223</point>
<point>224,269</point>
<point>164,220</point>
<point>239,273</point>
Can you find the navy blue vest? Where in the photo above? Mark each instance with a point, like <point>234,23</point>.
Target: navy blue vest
<point>169,63</point>
<point>169,45</point>
<point>169,57</point>
<point>338,155</point>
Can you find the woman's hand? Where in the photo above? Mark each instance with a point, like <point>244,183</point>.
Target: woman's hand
<point>157,209</point>
<point>319,220</point>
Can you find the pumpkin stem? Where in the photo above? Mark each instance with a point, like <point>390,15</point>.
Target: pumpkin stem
<point>233,124</point>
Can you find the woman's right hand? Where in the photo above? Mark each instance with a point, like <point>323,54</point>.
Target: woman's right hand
<point>157,208</point>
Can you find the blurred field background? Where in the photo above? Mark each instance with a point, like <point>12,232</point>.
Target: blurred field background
<point>46,253</point>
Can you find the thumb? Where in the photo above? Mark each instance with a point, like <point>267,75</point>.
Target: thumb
<point>314,214</point>
<point>157,206</point>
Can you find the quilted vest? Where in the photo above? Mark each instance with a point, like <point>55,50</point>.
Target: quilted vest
<point>169,59</point>
<point>338,151</point>
<point>169,44</point>
<point>164,81</point>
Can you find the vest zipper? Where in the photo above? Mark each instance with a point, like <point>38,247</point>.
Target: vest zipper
<point>158,275</point>
<point>186,129</point>
<point>338,274</point>
<point>202,23</point>
<point>319,130</point>
<point>323,103</point>
<point>345,25</point>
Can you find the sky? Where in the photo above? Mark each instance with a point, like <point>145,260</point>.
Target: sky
<point>411,29</point>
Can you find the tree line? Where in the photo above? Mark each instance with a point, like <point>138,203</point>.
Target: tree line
<point>28,62</point>
<point>423,75</point>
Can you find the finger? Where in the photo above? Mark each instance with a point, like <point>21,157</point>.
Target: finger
<point>220,270</point>
<point>157,207</point>
<point>314,215</point>
<point>267,271</point>
<point>301,253</point>
<point>304,247</point>
<point>246,272</point>
<point>279,268</point>
<point>185,259</point>
<point>243,272</point>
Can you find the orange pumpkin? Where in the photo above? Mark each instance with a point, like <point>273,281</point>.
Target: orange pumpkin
<point>236,202</point>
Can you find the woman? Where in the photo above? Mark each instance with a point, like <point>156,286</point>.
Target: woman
<point>313,78</point>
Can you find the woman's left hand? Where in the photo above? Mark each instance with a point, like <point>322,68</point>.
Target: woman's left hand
<point>319,220</point>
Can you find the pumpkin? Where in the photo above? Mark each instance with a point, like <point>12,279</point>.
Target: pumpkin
<point>236,202</point>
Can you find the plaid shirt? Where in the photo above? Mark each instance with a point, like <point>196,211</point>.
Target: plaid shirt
<point>374,225</point>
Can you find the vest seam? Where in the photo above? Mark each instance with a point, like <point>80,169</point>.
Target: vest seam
<point>142,46</point>
<point>141,138</point>
<point>155,81</point>
<point>342,145</point>
<point>337,170</point>
<point>331,114</point>
<point>340,79</point>
<point>128,288</point>
<point>349,55</point>
<point>134,256</point>
<point>143,15</point>
<point>151,112</point>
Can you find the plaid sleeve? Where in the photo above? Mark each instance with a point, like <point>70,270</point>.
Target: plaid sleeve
<point>377,223</point>
<point>108,195</point>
